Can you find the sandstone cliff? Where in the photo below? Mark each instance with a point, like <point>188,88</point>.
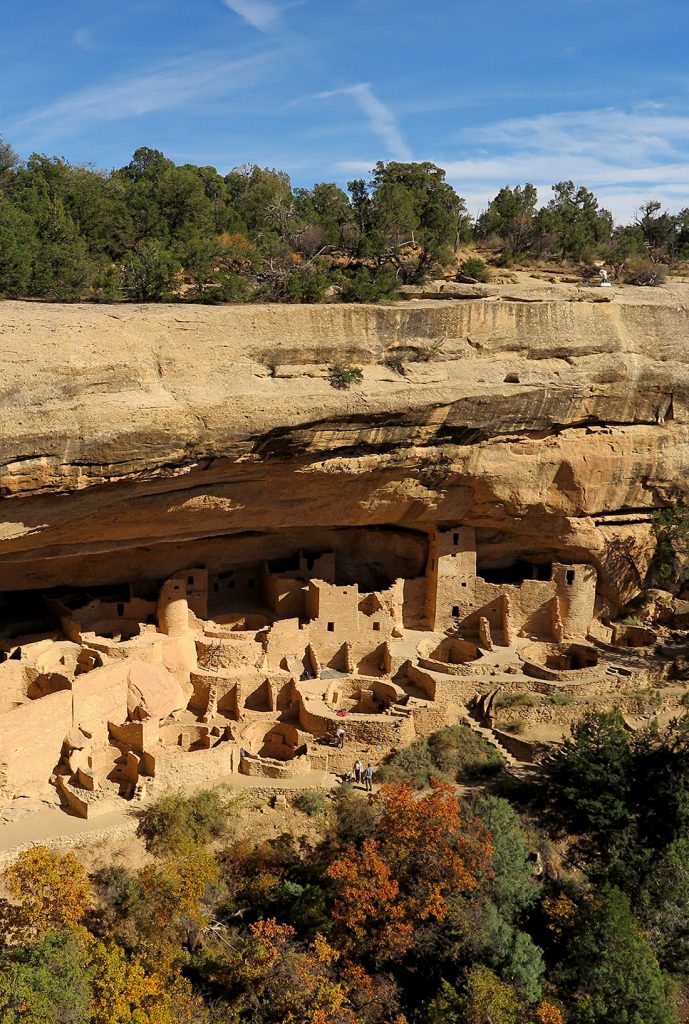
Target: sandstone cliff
<point>136,440</point>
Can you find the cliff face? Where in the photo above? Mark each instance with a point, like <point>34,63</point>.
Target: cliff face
<point>138,440</point>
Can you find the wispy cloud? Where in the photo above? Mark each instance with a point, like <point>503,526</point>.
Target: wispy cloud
<point>259,14</point>
<point>382,120</point>
<point>84,38</point>
<point>167,87</point>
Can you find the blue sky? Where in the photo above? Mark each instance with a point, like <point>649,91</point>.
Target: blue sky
<point>497,92</point>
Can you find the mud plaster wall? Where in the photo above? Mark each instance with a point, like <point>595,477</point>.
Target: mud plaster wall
<point>100,696</point>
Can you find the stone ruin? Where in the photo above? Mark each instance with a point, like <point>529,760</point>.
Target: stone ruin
<point>251,670</point>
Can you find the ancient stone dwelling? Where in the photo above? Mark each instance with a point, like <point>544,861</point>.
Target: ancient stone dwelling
<point>252,669</point>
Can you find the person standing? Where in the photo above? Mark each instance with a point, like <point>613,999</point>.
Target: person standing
<point>368,778</point>
<point>340,736</point>
<point>358,769</point>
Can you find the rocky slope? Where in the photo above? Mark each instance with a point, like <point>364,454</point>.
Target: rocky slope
<point>136,440</point>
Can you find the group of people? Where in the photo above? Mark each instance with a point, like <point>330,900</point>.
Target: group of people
<point>360,774</point>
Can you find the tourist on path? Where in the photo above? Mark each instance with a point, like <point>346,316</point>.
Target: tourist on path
<point>368,778</point>
<point>358,769</point>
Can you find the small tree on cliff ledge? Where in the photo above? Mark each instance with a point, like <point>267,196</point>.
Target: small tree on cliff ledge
<point>670,565</point>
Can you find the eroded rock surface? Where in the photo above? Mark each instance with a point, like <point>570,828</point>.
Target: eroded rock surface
<point>135,440</point>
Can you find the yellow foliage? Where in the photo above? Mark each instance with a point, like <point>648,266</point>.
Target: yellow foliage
<point>125,992</point>
<point>51,889</point>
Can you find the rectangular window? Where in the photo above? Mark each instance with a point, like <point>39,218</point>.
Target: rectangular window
<point>190,581</point>
<point>455,539</point>
<point>376,627</point>
<point>331,627</point>
<point>120,609</point>
<point>455,611</point>
<point>252,584</point>
<point>216,587</point>
<point>570,577</point>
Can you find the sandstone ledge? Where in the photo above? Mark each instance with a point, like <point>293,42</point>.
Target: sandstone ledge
<point>130,435</point>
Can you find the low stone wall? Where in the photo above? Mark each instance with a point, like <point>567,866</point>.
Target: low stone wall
<point>269,768</point>
<point>177,768</point>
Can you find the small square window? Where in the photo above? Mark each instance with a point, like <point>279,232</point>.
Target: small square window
<point>331,627</point>
<point>464,583</point>
<point>376,627</point>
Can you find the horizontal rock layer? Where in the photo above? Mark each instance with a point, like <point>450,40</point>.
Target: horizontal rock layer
<point>138,440</point>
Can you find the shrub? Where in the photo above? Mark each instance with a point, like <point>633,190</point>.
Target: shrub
<point>175,821</point>
<point>356,818</point>
<point>641,271</point>
<point>414,765</point>
<point>514,728</point>
<point>343,375</point>
<point>365,286</point>
<point>561,698</point>
<point>684,699</point>
<point>450,754</point>
<point>476,268</point>
<point>311,801</point>
<point>517,700</point>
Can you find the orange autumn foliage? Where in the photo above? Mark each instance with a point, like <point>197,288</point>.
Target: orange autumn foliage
<point>424,851</point>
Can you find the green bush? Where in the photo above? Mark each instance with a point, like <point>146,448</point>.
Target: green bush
<point>451,754</point>
<point>355,818</point>
<point>684,700</point>
<point>367,286</point>
<point>343,375</point>
<point>561,698</point>
<point>311,801</point>
<point>176,821</point>
<point>476,268</point>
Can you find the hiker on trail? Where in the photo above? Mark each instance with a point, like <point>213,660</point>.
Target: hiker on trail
<point>368,778</point>
<point>358,769</point>
<point>340,736</point>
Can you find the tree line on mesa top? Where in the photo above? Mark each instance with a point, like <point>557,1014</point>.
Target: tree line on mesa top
<point>154,231</point>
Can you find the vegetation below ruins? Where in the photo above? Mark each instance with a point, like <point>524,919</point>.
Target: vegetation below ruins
<point>566,904</point>
<point>154,231</point>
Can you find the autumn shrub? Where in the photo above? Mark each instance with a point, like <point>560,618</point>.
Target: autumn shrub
<point>311,801</point>
<point>49,891</point>
<point>176,821</point>
<point>640,271</point>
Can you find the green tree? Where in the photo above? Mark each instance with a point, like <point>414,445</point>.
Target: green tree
<point>611,974</point>
<point>510,217</point>
<point>149,272</point>
<point>18,245</point>
<point>572,223</point>
<point>662,907</point>
<point>589,779</point>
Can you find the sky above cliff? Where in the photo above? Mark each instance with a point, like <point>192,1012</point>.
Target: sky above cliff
<point>497,92</point>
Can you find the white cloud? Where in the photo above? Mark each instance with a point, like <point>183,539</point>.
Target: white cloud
<point>381,119</point>
<point>258,13</point>
<point>625,156</point>
<point>167,87</point>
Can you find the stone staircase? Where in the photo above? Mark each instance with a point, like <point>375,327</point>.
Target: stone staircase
<point>465,718</point>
